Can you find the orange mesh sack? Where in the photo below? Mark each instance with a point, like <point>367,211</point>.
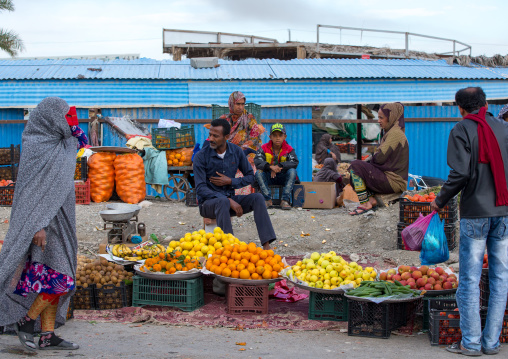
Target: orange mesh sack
<point>102,175</point>
<point>130,178</point>
<point>179,157</point>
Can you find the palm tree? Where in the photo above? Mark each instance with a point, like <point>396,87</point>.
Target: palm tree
<point>9,40</point>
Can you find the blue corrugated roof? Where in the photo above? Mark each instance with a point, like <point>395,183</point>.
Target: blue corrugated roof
<point>251,69</point>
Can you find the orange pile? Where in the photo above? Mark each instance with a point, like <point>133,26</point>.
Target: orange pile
<point>245,261</point>
<point>419,198</point>
<point>170,263</point>
<point>175,159</point>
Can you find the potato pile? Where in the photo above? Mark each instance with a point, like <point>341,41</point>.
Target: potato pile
<point>95,271</point>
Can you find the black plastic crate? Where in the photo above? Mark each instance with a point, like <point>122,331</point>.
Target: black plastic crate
<point>411,325</point>
<point>503,337</point>
<point>254,109</point>
<point>110,296</point>
<point>81,172</point>
<point>444,302</point>
<point>171,138</point>
<point>9,173</point>
<point>7,195</point>
<point>485,290</point>
<point>368,319</point>
<point>84,298</point>
<point>275,191</point>
<point>444,327</point>
<point>10,155</point>
<point>328,307</point>
<point>410,211</point>
<point>449,229</point>
<point>191,199</point>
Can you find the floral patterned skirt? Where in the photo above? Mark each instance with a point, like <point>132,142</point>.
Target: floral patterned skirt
<point>248,189</point>
<point>39,278</point>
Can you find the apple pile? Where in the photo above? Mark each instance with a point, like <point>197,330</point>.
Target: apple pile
<point>421,278</point>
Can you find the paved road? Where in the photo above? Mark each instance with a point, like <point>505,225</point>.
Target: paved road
<point>112,340</point>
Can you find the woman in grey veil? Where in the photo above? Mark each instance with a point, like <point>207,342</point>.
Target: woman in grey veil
<point>38,259</point>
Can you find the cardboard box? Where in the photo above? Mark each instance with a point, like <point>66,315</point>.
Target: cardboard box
<point>320,195</point>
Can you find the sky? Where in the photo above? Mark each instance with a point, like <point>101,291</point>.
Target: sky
<point>77,27</point>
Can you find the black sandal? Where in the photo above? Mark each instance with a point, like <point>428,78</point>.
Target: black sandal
<point>26,339</point>
<point>363,210</point>
<point>49,341</point>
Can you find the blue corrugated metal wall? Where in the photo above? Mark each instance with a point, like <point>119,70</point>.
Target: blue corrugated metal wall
<point>428,141</point>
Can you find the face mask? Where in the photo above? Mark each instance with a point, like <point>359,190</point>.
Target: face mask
<point>72,117</point>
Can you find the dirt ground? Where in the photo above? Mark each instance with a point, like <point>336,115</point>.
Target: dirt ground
<point>368,238</point>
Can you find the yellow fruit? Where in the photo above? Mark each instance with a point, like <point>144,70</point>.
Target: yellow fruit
<point>204,240</point>
<point>187,246</point>
<point>199,254</point>
<point>185,252</point>
<point>217,245</point>
<point>218,236</point>
<point>192,253</point>
<point>208,235</point>
<point>204,249</point>
<point>212,241</point>
<point>202,232</point>
<point>217,230</point>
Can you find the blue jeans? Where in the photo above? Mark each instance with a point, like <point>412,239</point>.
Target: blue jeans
<point>475,233</point>
<point>286,179</point>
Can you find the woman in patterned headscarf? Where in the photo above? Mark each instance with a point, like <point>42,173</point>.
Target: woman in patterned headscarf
<point>387,171</point>
<point>245,131</point>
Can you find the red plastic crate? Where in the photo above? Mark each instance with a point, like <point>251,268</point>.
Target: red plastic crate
<point>247,299</point>
<point>7,195</point>
<point>503,337</point>
<point>82,192</point>
<point>444,327</point>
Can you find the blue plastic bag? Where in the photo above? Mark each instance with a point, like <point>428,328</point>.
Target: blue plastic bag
<point>434,246</point>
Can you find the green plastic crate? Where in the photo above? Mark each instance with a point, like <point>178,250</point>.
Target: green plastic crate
<point>438,303</point>
<point>186,295</point>
<point>218,111</point>
<point>328,307</point>
<point>172,138</point>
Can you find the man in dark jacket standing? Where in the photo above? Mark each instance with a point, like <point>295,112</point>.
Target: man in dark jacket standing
<point>478,158</point>
<point>215,167</point>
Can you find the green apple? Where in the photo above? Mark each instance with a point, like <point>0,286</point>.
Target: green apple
<point>319,284</point>
<point>313,278</point>
<point>336,259</point>
<point>325,263</point>
<point>329,268</point>
<point>313,285</point>
<point>322,271</point>
<point>327,276</point>
<point>310,265</point>
<point>315,256</point>
<point>334,273</point>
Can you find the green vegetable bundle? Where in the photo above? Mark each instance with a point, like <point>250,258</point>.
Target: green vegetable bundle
<point>383,289</point>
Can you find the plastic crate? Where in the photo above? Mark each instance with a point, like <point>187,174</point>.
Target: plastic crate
<point>10,155</point>
<point>70,310</point>
<point>351,149</point>
<point>444,327</point>
<point>7,195</point>
<point>247,299</point>
<point>343,147</point>
<point>110,296</point>
<point>84,297</point>
<point>81,171</point>
<point>485,291</point>
<point>275,191</point>
<point>410,211</point>
<point>208,283</point>
<point>9,172</point>
<point>128,293</point>
<point>255,110</point>
<point>503,337</point>
<point>368,319</point>
<point>186,295</point>
<point>191,198</point>
<point>171,138</point>
<point>412,308</point>
<point>450,233</point>
<point>328,307</point>
<point>82,190</point>
<point>444,302</point>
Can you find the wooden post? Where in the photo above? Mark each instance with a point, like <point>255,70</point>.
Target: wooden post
<point>301,53</point>
<point>358,132</point>
<point>177,54</point>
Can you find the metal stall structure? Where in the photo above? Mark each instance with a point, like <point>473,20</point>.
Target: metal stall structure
<point>147,90</point>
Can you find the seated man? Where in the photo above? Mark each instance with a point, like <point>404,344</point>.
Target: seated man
<point>276,164</point>
<point>215,167</point>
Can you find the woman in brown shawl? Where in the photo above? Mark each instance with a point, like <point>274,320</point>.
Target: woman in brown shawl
<point>387,171</point>
<point>325,149</point>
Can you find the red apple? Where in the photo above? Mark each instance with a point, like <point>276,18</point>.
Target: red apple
<point>382,276</point>
<point>439,270</point>
<point>435,275</point>
<point>403,282</point>
<point>397,277</point>
<point>438,286</point>
<point>442,278</point>
<point>417,274</point>
<point>405,275</point>
<point>412,269</point>
<point>429,286</point>
<point>430,271</point>
<point>411,280</point>
<point>447,285</point>
<point>423,269</point>
<point>431,280</point>
<point>455,285</point>
<point>403,269</point>
<point>421,288</point>
<point>451,279</point>
<point>391,272</point>
<point>420,282</point>
<point>412,285</point>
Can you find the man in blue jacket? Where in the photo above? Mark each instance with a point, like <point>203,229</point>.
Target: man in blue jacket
<point>215,167</point>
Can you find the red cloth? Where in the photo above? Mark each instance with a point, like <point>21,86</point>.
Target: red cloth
<point>284,150</point>
<point>72,117</point>
<point>489,152</point>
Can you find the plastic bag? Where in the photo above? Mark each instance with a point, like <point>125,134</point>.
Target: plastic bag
<point>130,178</point>
<point>412,235</point>
<point>434,246</point>
<point>179,157</point>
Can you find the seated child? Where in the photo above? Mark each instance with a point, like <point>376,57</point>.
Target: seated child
<point>276,164</point>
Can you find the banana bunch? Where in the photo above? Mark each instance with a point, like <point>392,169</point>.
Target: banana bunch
<point>121,250</point>
<point>149,251</point>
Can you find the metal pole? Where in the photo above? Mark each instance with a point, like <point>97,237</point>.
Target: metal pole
<point>289,32</point>
<point>218,37</point>
<point>407,44</point>
<point>454,50</point>
<point>317,41</point>
<point>358,132</point>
